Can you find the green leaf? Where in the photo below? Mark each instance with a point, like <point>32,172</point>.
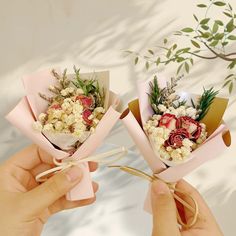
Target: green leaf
<point>219,22</point>
<point>230,7</point>
<point>231,86</point>
<point>229,76</point>
<point>232,37</point>
<point>215,28</point>
<point>186,65</point>
<point>183,50</point>
<point>232,65</point>
<point>195,17</point>
<point>219,36</point>
<point>168,53</point>
<point>214,43</point>
<point>204,21</point>
<point>174,46</point>
<point>187,30</point>
<point>201,5</point>
<point>151,52</point>
<point>205,27</point>
<point>206,35</point>
<point>147,65</point>
<point>195,44</point>
<point>226,83</point>
<point>227,14</point>
<point>180,59</point>
<point>230,26</point>
<point>220,4</point>
<point>158,61</point>
<point>165,41</point>
<point>179,68</point>
<point>224,43</point>
<point>136,60</point>
<point>191,60</point>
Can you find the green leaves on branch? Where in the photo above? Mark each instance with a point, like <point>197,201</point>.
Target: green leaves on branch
<point>229,81</point>
<point>187,30</point>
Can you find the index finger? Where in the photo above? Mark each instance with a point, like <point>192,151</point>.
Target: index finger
<point>30,157</point>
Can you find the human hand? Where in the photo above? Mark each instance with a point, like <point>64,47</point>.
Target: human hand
<point>164,212</point>
<point>24,204</point>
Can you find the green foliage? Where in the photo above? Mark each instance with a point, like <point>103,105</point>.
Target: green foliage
<point>207,40</point>
<point>205,102</point>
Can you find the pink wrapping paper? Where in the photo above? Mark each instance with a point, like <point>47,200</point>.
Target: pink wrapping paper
<point>23,116</point>
<point>133,120</point>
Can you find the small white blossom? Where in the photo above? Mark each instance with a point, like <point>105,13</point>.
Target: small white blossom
<point>191,112</point>
<point>42,117</point>
<point>58,126</point>
<point>187,143</point>
<point>161,107</point>
<point>48,127</point>
<point>37,126</point>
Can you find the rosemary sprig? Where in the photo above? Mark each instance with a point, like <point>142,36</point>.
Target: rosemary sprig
<point>205,102</point>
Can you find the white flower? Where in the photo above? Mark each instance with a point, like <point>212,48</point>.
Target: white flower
<point>57,113</point>
<point>181,111</point>
<point>65,105</point>
<point>187,143</point>
<point>58,126</point>
<point>156,117</point>
<point>70,119</point>
<point>64,92</point>
<point>37,126</point>
<point>99,110</point>
<point>185,151</point>
<point>79,91</point>
<point>161,107</point>
<point>48,127</point>
<point>191,112</point>
<point>175,154</point>
<point>77,108</point>
<point>164,154</point>
<point>159,131</point>
<point>42,117</point>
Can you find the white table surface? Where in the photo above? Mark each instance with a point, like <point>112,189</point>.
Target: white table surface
<point>91,34</point>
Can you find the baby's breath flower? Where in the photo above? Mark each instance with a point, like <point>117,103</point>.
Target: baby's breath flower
<point>37,126</point>
<point>42,117</point>
<point>48,127</point>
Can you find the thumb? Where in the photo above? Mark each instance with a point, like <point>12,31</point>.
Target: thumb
<point>54,188</point>
<point>164,210</point>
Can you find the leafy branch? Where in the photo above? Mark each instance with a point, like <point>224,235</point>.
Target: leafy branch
<point>208,40</point>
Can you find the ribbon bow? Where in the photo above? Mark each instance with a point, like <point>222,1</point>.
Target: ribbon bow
<point>69,162</point>
<point>194,210</point>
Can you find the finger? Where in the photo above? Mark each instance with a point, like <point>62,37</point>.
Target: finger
<point>26,159</point>
<point>204,211</point>
<point>93,166</point>
<point>51,190</point>
<point>63,203</point>
<point>164,210</point>
<point>40,168</point>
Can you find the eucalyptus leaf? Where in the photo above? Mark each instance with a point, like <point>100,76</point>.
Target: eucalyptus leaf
<point>158,61</point>
<point>231,86</point>
<point>179,68</point>
<point>214,43</point>
<point>151,52</point>
<point>219,36</point>
<point>227,14</point>
<point>230,26</point>
<point>147,65</point>
<point>195,17</point>
<point>136,60</point>
<point>165,41</point>
<point>205,27</point>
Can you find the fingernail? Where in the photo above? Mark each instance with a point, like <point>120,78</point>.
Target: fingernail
<point>74,174</point>
<point>159,187</point>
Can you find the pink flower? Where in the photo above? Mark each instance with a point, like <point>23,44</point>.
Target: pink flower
<point>86,113</point>
<point>169,121</point>
<point>192,126</point>
<point>56,106</point>
<point>85,100</point>
<point>176,138</point>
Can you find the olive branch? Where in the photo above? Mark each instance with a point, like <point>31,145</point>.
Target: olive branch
<point>209,40</point>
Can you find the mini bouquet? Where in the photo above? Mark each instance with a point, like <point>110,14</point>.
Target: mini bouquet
<point>67,115</point>
<point>176,132</point>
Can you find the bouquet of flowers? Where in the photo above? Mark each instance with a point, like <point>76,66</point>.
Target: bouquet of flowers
<point>175,129</point>
<point>68,115</point>
<point>175,132</point>
<point>73,112</point>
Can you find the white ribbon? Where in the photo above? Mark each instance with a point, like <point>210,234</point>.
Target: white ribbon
<point>69,162</point>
